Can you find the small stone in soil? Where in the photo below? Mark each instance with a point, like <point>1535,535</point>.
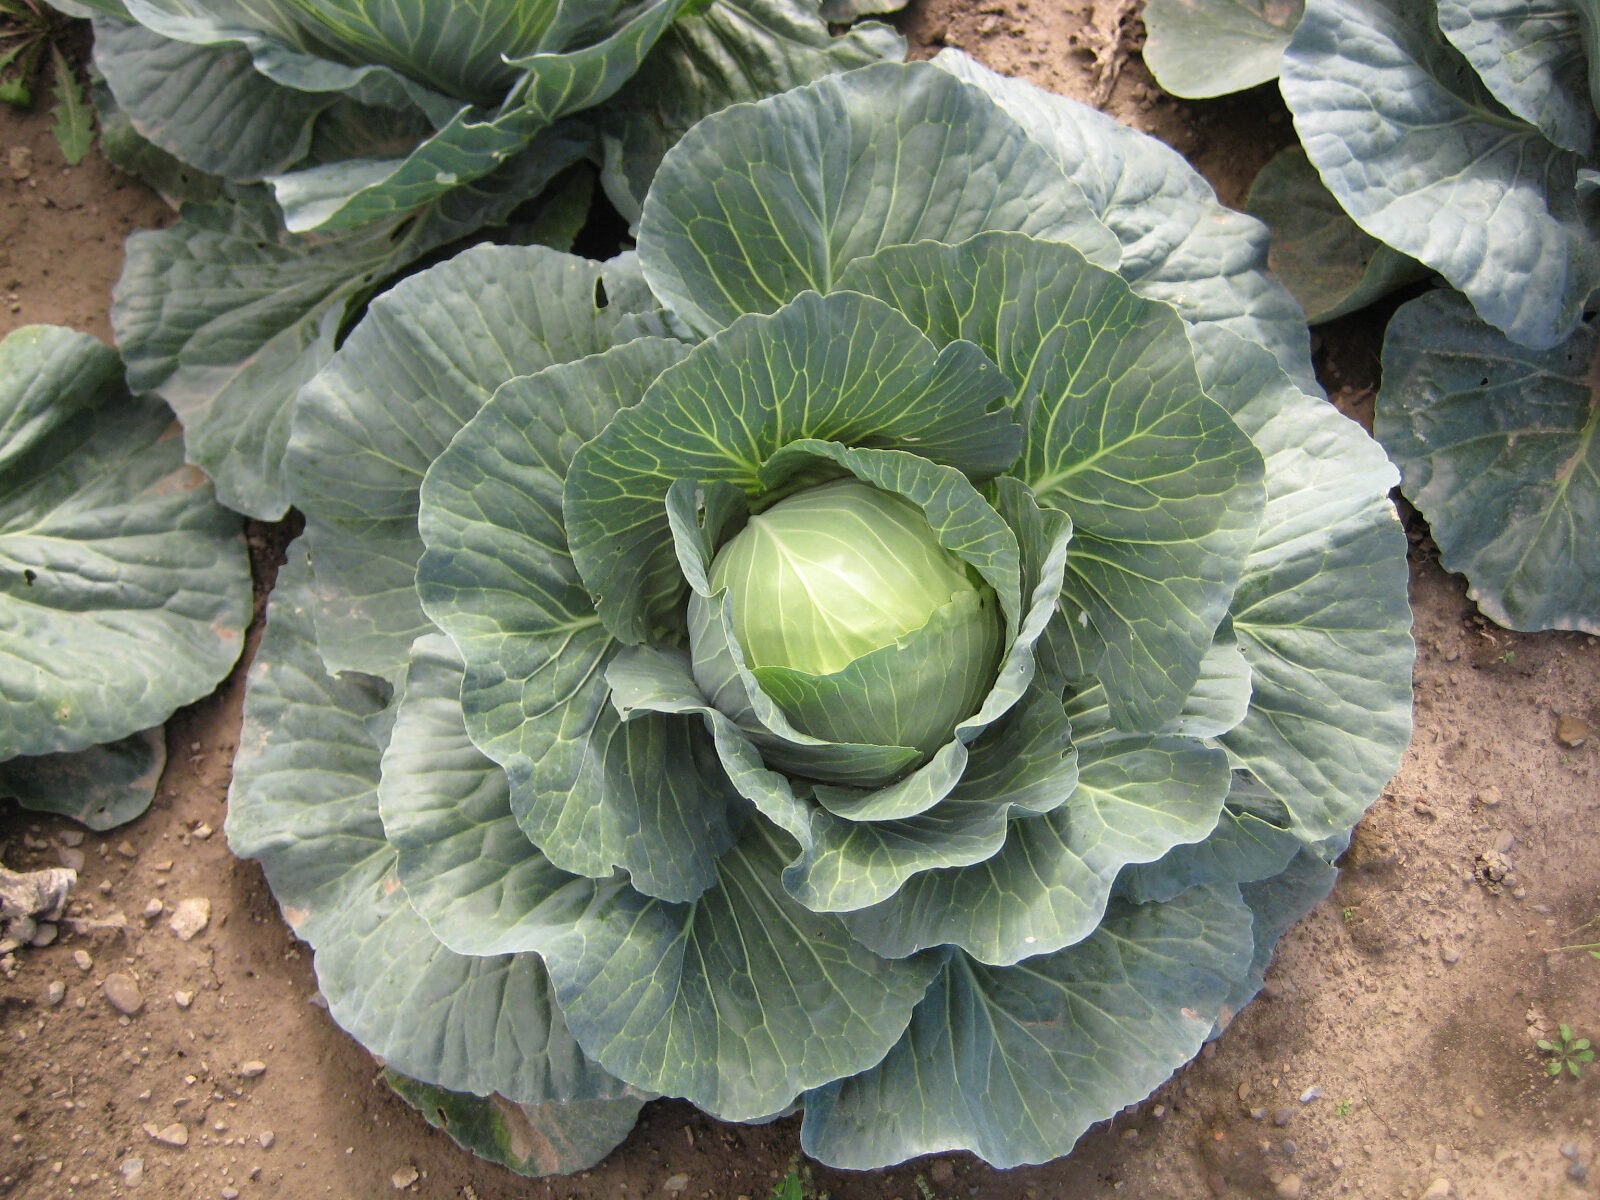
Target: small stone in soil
<point>44,935</point>
<point>942,1173</point>
<point>126,850</point>
<point>1577,1172</point>
<point>1439,1189</point>
<point>183,999</point>
<point>190,917</point>
<point>1573,732</point>
<point>55,993</point>
<point>172,1135</point>
<point>152,909</point>
<point>1569,1150</point>
<point>123,994</point>
<point>1449,954</point>
<point>674,1184</point>
<point>252,1069</point>
<point>1282,1117</point>
<point>202,831</point>
<point>70,837</point>
<point>267,1138</point>
<point>1290,1187</point>
<point>230,1193</point>
<point>1310,1094</point>
<point>132,1171</point>
<point>81,957</point>
<point>403,1178</point>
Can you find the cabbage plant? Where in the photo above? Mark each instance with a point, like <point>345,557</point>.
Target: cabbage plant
<point>901,645</point>
<point>328,148</point>
<point>1454,138</point>
<point>124,586</point>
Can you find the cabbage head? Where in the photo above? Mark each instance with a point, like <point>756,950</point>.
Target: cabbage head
<point>902,644</point>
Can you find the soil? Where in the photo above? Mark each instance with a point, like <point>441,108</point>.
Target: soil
<point>1394,1047</point>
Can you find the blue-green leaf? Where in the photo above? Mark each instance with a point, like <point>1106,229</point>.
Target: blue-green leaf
<point>1204,48</point>
<point>428,355</point>
<point>1499,446</point>
<point>1015,1063</point>
<point>124,587</point>
<point>591,791</point>
<point>755,206</point>
<point>1163,489</point>
<point>1425,159</point>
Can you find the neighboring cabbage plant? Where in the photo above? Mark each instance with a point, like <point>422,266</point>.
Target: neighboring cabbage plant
<point>124,586</point>
<point>328,147</point>
<point>904,644</point>
<point>1454,138</point>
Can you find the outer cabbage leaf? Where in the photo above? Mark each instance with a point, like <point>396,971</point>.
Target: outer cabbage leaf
<point>1015,1063</point>
<point>1321,611</point>
<point>428,355</point>
<point>101,787</point>
<point>758,205</point>
<point>474,142</point>
<point>1178,243</point>
<point>225,316</point>
<point>304,801</point>
<point>1423,158</point>
<point>1204,48</point>
<point>487,83</point>
<point>736,1000</point>
<point>1498,447</point>
<point>591,791</point>
<point>124,587</point>
<point>1330,264</point>
<point>554,1138</point>
<point>1163,489</point>
<point>729,52</point>
<point>1532,58</point>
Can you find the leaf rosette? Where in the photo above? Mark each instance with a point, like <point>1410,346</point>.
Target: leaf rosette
<point>902,643</point>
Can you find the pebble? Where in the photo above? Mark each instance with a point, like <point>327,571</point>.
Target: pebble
<point>1310,1094</point>
<point>403,1178</point>
<point>123,993</point>
<point>675,1184</point>
<point>172,1135</point>
<point>253,1069</point>
<point>55,993</point>
<point>1449,954</point>
<point>1290,1187</point>
<point>1282,1117</point>
<point>230,1193</point>
<point>132,1171</point>
<point>81,957</point>
<point>267,1138</point>
<point>1573,732</point>
<point>152,909</point>
<point>1490,797</point>
<point>1439,1189</point>
<point>1569,1150</point>
<point>202,831</point>
<point>1504,841</point>
<point>183,999</point>
<point>126,850</point>
<point>1577,1172</point>
<point>942,1173</point>
<point>44,935</point>
<point>190,917</point>
<point>70,837</point>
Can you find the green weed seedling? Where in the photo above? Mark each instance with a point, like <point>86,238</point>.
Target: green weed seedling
<point>1568,1052</point>
<point>1591,948</point>
<point>27,30</point>
<point>797,1185</point>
